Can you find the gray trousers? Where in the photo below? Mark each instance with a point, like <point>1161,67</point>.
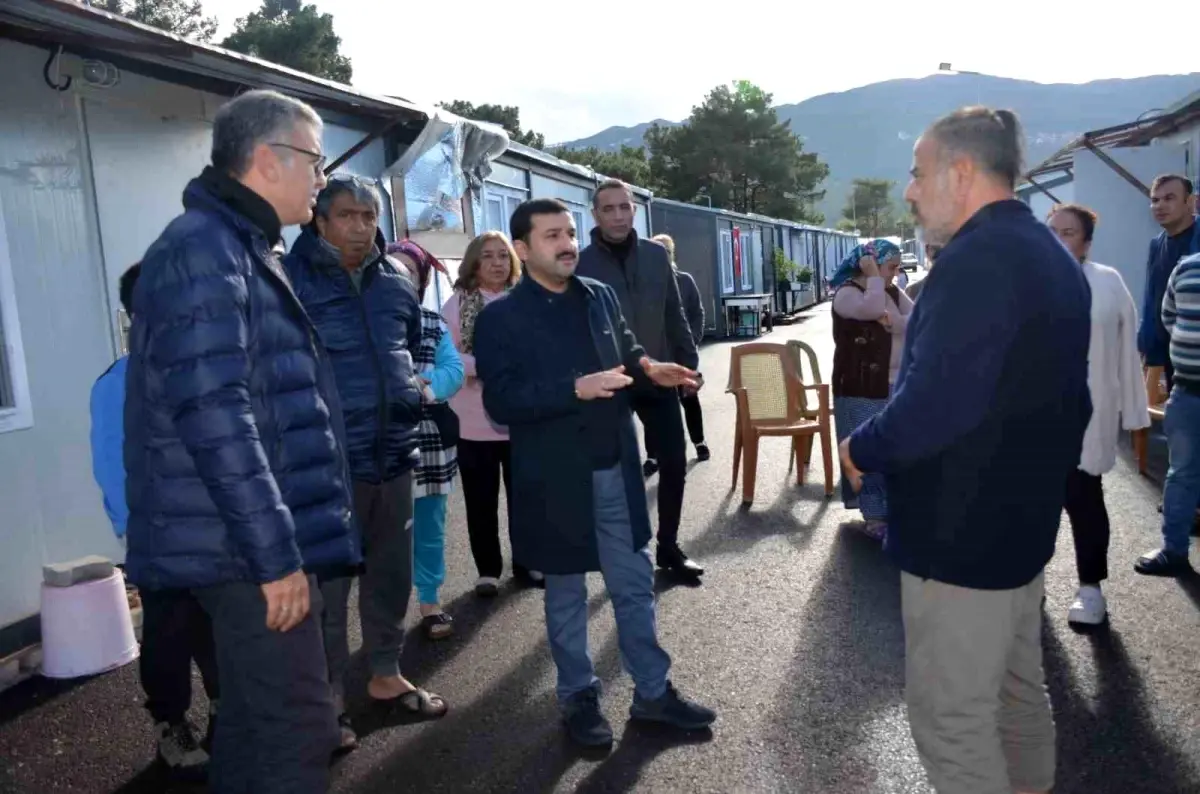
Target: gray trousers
<point>385,514</point>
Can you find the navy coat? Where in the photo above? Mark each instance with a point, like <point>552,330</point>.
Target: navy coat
<point>532,392</point>
<point>371,336</point>
<point>233,438</point>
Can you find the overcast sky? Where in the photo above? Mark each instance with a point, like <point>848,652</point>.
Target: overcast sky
<point>576,68</point>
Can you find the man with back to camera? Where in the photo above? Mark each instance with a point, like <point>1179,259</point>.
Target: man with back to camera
<point>237,476</point>
<point>984,428</point>
<point>640,272</point>
<point>557,361</point>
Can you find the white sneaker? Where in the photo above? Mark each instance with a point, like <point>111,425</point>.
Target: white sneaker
<point>1089,607</point>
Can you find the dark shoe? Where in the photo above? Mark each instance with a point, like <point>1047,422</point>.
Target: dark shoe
<point>585,724</point>
<point>180,753</point>
<point>1163,563</point>
<point>649,468</point>
<point>529,578</point>
<point>702,453</point>
<point>437,626</point>
<point>675,561</point>
<point>672,709</point>
<point>347,738</point>
<point>487,587</point>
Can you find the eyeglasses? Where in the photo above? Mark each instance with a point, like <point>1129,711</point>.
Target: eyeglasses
<point>318,164</point>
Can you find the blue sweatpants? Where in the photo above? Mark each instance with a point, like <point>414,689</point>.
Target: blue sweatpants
<point>429,546</point>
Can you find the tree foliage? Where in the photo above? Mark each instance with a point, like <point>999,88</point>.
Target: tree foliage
<point>507,116</point>
<point>630,164</point>
<point>871,210</point>
<point>181,17</point>
<point>290,33</point>
<point>734,149</point>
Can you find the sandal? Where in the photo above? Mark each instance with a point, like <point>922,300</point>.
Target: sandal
<point>438,626</point>
<point>422,703</point>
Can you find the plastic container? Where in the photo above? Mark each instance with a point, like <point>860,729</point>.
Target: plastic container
<point>86,628</point>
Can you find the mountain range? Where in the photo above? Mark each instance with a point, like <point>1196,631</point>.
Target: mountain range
<point>870,131</point>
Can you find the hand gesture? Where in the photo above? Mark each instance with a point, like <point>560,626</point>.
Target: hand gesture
<point>669,375</point>
<point>689,391</point>
<point>602,385</point>
<point>287,601</point>
<point>868,266</point>
<point>886,320</point>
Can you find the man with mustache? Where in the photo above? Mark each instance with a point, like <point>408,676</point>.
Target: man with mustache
<point>366,311</point>
<point>640,273</point>
<point>557,361</point>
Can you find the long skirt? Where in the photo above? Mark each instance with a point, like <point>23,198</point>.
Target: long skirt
<point>848,414</point>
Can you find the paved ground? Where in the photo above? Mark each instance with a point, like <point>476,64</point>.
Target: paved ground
<point>794,637</point>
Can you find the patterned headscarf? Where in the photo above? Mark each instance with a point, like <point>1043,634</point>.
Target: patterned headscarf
<point>426,262</point>
<point>882,250</point>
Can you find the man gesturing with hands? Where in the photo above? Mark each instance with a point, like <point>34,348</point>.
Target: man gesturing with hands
<point>556,359</point>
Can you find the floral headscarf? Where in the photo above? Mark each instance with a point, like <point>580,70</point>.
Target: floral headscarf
<point>882,250</point>
<point>426,262</point>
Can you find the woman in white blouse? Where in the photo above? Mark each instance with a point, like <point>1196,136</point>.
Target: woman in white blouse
<point>1118,402</point>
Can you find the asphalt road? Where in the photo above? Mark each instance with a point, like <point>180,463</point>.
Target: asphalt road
<point>794,637</point>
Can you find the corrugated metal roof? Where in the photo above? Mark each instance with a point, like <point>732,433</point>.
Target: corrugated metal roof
<point>85,30</point>
<point>1138,132</point>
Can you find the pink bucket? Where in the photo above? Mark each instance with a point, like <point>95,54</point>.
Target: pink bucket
<point>86,628</point>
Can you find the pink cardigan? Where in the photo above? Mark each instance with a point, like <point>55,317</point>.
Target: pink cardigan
<point>467,402</point>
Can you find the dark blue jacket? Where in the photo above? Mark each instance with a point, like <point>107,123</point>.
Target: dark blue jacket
<point>370,337</point>
<point>1153,340</point>
<point>530,387</point>
<point>990,406</point>
<point>233,445</point>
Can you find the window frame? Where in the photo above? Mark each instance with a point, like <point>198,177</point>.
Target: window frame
<point>18,415</point>
<point>725,260</point>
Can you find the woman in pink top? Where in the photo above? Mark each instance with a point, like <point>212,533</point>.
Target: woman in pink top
<point>489,268</point>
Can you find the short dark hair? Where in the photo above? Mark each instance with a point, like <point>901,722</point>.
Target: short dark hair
<point>991,138</point>
<point>608,184</point>
<point>1087,217</point>
<point>126,284</point>
<point>359,188</point>
<point>521,222</point>
<point>1184,182</point>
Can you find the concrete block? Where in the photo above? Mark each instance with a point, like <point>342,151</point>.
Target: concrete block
<point>10,671</point>
<point>65,574</point>
<point>31,659</point>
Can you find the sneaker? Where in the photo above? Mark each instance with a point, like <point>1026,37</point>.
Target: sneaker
<point>538,578</point>
<point>649,468</point>
<point>672,709</point>
<point>347,738</point>
<point>585,724</point>
<point>179,751</point>
<point>1089,607</point>
<point>1163,563</point>
<point>487,586</point>
<point>702,453</point>
<point>875,529</point>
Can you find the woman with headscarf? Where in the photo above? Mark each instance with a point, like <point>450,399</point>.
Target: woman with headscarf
<point>489,268</point>
<point>441,371</point>
<point>870,316</point>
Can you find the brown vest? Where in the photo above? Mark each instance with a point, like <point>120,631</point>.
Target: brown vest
<point>862,353</point>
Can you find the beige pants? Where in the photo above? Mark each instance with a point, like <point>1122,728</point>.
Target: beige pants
<point>975,687</point>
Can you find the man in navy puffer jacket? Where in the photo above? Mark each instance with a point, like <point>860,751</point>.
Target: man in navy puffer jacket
<point>368,315</point>
<point>236,476</point>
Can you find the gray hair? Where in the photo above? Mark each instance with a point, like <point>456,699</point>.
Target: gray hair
<point>991,138</point>
<point>361,189</point>
<point>254,118</point>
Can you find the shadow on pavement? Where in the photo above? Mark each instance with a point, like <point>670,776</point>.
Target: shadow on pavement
<point>839,724</point>
<point>640,744</point>
<point>1110,742</point>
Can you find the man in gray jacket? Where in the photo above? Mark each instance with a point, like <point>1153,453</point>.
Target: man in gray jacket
<point>693,310</point>
<point>641,274</point>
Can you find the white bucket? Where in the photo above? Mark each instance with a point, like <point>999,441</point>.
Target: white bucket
<point>86,628</point>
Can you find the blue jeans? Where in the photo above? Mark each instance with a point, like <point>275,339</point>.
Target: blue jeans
<point>1181,493</point>
<point>629,577</point>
